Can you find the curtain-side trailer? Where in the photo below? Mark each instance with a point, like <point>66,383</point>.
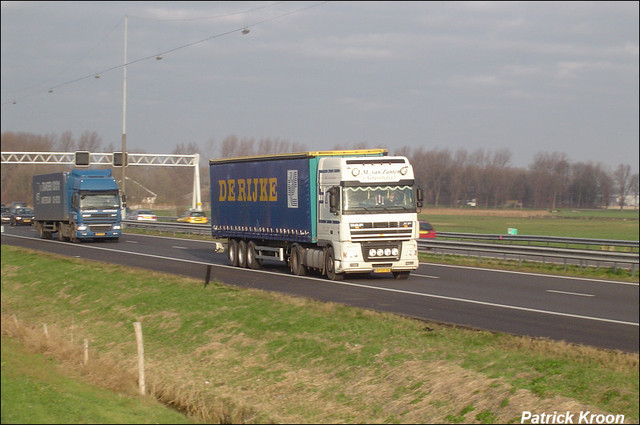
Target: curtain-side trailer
<point>335,212</point>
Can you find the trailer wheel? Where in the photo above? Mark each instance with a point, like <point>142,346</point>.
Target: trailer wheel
<point>252,261</point>
<point>242,254</point>
<point>330,265</point>
<point>295,261</point>
<point>233,252</point>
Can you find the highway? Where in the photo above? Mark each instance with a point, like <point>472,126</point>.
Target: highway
<point>584,311</point>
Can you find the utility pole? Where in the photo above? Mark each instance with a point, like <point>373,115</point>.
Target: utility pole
<point>124,108</point>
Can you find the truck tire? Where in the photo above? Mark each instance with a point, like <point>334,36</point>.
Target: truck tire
<point>43,233</point>
<point>295,261</point>
<point>401,275</point>
<point>330,266</point>
<point>233,252</point>
<point>61,233</point>
<point>253,262</point>
<point>242,254</point>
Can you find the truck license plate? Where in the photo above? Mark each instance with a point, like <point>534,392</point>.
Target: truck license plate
<point>100,234</point>
<point>382,270</point>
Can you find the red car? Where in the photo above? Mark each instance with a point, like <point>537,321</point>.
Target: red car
<point>427,230</point>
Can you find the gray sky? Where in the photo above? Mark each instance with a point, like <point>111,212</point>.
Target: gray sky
<point>529,77</point>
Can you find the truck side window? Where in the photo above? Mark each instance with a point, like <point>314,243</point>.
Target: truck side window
<point>334,200</point>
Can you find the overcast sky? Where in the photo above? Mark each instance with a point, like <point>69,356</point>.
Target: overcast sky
<point>529,77</point>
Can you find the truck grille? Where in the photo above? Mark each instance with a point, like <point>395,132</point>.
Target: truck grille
<point>376,251</point>
<point>381,231</point>
<point>100,228</point>
<point>101,217</point>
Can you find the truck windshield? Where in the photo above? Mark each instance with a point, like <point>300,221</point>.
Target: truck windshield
<point>96,201</point>
<point>377,199</point>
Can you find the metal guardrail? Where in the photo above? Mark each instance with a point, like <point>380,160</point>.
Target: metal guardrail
<point>584,258</point>
<point>444,244</point>
<point>542,239</point>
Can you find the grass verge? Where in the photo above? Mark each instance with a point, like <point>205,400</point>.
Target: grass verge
<point>226,354</point>
<point>36,388</point>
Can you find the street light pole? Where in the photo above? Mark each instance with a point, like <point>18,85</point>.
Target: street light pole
<point>124,108</point>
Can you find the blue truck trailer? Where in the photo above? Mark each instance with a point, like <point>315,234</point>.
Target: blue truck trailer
<point>77,205</point>
<point>334,212</point>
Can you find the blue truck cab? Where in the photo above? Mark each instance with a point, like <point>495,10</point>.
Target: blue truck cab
<point>77,205</point>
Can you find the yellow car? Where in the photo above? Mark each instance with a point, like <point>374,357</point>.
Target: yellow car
<point>195,217</point>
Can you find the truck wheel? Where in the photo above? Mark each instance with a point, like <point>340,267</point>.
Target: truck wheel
<point>252,261</point>
<point>330,265</point>
<point>61,235</point>
<point>242,254</point>
<point>233,252</point>
<point>295,261</point>
<point>401,275</point>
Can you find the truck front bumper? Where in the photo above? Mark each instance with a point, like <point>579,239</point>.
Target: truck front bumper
<point>352,260</point>
<point>84,231</point>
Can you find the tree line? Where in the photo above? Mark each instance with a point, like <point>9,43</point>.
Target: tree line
<point>448,178</point>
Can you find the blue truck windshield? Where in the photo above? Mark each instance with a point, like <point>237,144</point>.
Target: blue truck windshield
<point>378,199</point>
<point>99,201</point>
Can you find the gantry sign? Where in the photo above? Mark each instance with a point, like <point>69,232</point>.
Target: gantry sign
<point>85,159</point>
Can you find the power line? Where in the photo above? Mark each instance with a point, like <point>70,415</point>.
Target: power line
<point>159,55</point>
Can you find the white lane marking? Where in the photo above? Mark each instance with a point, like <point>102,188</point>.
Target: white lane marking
<point>179,247</point>
<point>570,293</point>
<point>425,275</point>
<point>132,242</point>
<point>532,310</point>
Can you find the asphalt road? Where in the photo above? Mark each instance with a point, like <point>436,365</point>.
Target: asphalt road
<point>585,311</point>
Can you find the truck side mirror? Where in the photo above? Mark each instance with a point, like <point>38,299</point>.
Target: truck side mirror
<point>420,198</point>
<point>334,200</point>
<point>124,201</point>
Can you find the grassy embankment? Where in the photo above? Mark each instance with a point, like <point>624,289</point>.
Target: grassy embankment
<point>227,354</point>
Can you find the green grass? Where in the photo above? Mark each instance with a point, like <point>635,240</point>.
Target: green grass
<point>604,226</point>
<point>36,390</point>
<point>264,357</point>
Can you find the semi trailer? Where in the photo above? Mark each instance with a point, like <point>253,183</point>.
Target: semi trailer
<point>332,212</point>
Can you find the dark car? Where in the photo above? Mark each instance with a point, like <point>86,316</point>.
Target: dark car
<point>22,216</point>
<point>6,215</point>
<point>427,230</point>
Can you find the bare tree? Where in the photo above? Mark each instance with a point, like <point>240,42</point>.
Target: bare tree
<point>634,190</point>
<point>66,142</point>
<point>89,141</point>
<point>621,177</point>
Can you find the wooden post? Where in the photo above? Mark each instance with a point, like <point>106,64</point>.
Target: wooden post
<point>46,330</point>
<point>86,351</point>
<point>138,328</point>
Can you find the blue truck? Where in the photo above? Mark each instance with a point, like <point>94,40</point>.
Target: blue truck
<point>332,212</point>
<point>77,205</point>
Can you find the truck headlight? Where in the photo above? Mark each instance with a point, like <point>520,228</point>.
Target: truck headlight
<point>350,253</point>
<point>116,227</point>
<point>82,227</point>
